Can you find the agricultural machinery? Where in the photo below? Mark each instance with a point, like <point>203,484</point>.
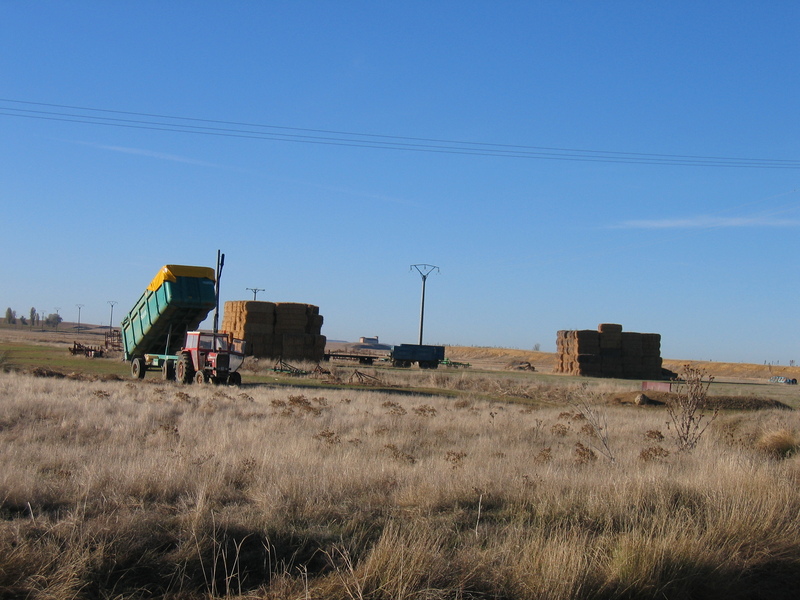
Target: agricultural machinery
<point>160,332</point>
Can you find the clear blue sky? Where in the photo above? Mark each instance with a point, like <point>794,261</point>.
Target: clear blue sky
<point>582,171</point>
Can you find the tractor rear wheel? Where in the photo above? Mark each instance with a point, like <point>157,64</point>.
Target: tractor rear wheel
<point>138,367</point>
<point>184,370</point>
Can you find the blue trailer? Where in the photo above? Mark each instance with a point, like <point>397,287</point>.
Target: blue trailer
<point>427,357</point>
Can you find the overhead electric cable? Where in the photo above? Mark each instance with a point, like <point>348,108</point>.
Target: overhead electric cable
<point>179,124</point>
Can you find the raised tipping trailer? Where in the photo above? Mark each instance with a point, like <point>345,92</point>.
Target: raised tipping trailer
<point>177,300</point>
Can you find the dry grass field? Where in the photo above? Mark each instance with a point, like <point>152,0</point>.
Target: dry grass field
<point>452,484</point>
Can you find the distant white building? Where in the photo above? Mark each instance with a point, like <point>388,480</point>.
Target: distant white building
<point>368,340</point>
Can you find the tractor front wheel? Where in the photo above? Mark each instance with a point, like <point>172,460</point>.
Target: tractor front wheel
<point>200,377</point>
<point>234,379</point>
<point>184,370</point>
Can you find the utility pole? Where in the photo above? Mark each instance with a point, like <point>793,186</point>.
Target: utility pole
<point>58,308</point>
<point>80,306</point>
<point>424,271</point>
<point>111,319</point>
<point>255,292</point>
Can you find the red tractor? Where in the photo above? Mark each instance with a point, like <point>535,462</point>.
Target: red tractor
<point>209,357</point>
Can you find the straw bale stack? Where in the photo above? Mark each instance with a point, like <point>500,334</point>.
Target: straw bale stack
<point>288,330</point>
<point>609,352</point>
<point>651,344</point>
<point>631,354</point>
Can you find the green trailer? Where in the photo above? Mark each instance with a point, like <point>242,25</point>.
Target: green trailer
<point>177,300</point>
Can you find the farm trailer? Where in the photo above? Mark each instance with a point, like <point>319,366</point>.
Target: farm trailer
<point>159,331</point>
<point>428,357</point>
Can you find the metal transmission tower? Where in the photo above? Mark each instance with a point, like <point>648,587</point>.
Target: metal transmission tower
<point>255,291</point>
<point>424,271</point>
<point>80,306</point>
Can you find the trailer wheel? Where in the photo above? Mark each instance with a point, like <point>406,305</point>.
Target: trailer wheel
<point>235,379</point>
<point>138,367</point>
<point>184,371</point>
<point>200,377</point>
<point>168,370</point>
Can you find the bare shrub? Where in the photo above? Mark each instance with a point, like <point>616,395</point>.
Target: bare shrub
<point>544,456</point>
<point>455,458</point>
<point>653,453</point>
<point>394,408</point>
<point>584,455</point>
<point>686,407</point>
<point>589,409</point>
<point>425,410</point>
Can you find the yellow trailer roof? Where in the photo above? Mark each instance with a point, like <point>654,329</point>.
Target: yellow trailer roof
<point>171,272</point>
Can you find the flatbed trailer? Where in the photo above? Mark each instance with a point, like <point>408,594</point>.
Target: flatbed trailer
<point>363,359</point>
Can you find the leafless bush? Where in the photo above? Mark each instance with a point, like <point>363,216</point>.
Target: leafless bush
<point>685,409</point>
<point>589,409</point>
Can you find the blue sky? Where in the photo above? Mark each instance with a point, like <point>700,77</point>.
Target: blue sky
<point>564,164</point>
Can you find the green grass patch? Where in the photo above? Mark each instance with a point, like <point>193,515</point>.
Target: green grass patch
<point>25,357</point>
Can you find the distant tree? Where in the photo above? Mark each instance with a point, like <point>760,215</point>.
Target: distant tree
<point>33,316</point>
<point>53,319</point>
<point>23,321</point>
<point>537,347</point>
<point>11,316</point>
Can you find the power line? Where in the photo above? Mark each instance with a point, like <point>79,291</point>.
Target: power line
<point>179,124</point>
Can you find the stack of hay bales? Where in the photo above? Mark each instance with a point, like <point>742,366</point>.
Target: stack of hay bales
<point>651,356</point>
<point>610,349</point>
<point>578,352</point>
<point>609,352</point>
<point>286,330</point>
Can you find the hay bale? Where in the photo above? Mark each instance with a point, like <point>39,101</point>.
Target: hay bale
<point>587,359</point>
<point>611,341</point>
<point>257,307</point>
<point>609,328</point>
<point>314,324</point>
<point>631,344</point>
<point>291,308</point>
<point>586,341</point>
<point>651,344</point>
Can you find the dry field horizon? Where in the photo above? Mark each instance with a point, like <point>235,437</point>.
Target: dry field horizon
<point>483,357</point>
<point>502,484</point>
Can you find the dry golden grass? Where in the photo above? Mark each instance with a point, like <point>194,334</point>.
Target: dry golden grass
<point>114,489</point>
